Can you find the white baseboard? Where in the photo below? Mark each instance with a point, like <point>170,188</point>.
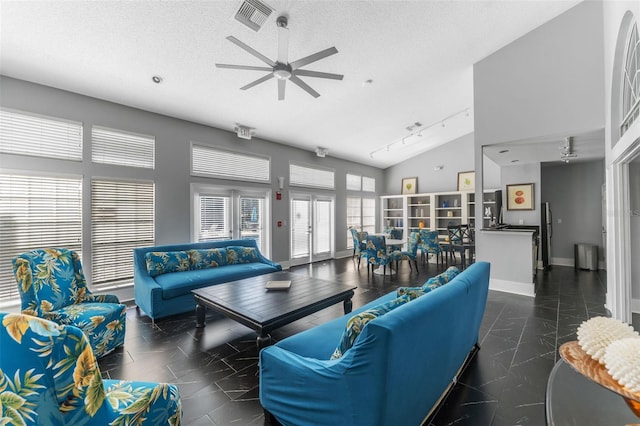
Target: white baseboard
<point>635,306</point>
<point>563,261</point>
<point>523,289</point>
<point>343,254</point>
<point>286,264</point>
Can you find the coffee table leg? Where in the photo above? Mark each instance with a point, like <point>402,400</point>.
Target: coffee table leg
<point>200,314</point>
<point>263,341</point>
<point>348,305</point>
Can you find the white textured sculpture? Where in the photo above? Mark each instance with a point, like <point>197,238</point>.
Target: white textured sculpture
<point>622,360</point>
<point>597,333</point>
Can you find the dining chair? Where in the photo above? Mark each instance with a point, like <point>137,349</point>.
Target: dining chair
<point>52,286</point>
<point>376,253</point>
<point>396,233</point>
<point>430,244</point>
<point>410,254</point>
<point>461,240</point>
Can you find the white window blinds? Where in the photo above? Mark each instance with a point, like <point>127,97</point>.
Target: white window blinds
<point>353,217</point>
<point>30,134</point>
<point>369,215</point>
<point>36,212</point>
<point>122,217</point>
<point>215,162</point>
<point>214,218</point>
<point>354,182</point>
<point>368,184</point>
<point>122,148</point>
<point>311,177</point>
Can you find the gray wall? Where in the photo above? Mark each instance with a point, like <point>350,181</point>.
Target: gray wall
<point>455,156</point>
<point>172,172</point>
<point>547,82</point>
<point>514,175</point>
<point>574,192</point>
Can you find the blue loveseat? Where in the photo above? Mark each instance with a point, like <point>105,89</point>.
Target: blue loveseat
<point>165,275</point>
<point>397,370</point>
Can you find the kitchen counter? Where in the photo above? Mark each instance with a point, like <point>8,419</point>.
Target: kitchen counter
<point>512,253</point>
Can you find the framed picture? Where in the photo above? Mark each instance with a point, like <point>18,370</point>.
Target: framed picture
<point>409,185</point>
<point>466,181</point>
<point>520,197</point>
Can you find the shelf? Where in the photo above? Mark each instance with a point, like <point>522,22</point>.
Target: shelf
<point>448,208</point>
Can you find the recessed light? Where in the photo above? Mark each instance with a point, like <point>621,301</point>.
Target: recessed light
<point>156,79</point>
<point>502,151</point>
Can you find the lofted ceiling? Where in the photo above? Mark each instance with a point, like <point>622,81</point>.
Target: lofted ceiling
<point>417,55</point>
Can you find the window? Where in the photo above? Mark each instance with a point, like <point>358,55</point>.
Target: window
<point>631,82</point>
<point>30,134</point>
<point>354,217</point>
<point>215,162</point>
<point>361,214</point>
<point>214,218</point>
<point>360,183</point>
<point>368,184</point>
<point>36,212</point>
<point>300,175</point>
<point>122,217</point>
<point>122,148</point>
<point>354,182</point>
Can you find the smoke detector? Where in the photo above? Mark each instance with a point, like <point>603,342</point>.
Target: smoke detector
<point>322,152</point>
<point>253,13</point>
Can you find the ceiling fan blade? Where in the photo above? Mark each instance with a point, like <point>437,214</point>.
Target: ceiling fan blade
<point>258,81</point>
<point>254,52</point>
<point>243,67</point>
<point>283,45</point>
<point>313,58</point>
<point>304,86</point>
<point>318,74</point>
<point>281,86</point>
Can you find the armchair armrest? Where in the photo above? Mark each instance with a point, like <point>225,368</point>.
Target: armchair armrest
<point>99,298</point>
<point>142,403</point>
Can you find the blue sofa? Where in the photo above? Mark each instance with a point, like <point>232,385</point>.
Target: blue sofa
<point>395,373</point>
<point>165,275</point>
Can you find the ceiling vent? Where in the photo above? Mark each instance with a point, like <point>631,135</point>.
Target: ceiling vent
<point>253,13</point>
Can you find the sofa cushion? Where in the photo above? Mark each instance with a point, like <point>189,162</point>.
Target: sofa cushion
<point>177,284</point>
<point>357,322</point>
<point>162,262</point>
<point>207,258</point>
<point>240,254</point>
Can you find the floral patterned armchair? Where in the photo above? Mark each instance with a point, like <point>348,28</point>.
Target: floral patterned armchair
<point>429,245</point>
<point>50,376</point>
<point>52,286</point>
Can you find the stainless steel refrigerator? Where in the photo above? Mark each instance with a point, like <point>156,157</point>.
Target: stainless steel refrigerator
<point>547,232</point>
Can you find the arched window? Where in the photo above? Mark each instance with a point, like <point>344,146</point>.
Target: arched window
<point>631,82</point>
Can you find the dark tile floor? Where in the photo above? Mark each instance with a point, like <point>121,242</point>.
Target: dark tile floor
<point>216,367</point>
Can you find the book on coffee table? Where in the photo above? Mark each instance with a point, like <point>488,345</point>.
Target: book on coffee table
<point>278,285</point>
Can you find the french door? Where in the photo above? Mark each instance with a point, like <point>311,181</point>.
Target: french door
<point>222,214</point>
<point>312,228</point>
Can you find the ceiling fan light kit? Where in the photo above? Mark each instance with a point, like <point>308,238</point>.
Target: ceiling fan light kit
<point>282,69</point>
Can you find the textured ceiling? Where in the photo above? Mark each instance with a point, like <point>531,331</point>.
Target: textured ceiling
<point>419,55</point>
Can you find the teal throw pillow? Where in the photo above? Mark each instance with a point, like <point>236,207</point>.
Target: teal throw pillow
<point>441,279</point>
<point>240,254</point>
<point>357,322</point>
<point>163,262</point>
<point>412,292</point>
<point>207,258</point>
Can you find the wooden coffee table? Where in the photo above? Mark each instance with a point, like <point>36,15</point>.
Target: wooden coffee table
<point>249,303</point>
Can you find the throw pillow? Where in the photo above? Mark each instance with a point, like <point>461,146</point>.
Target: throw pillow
<point>441,279</point>
<point>163,262</point>
<point>357,322</point>
<point>412,292</point>
<point>207,258</point>
<point>240,254</point>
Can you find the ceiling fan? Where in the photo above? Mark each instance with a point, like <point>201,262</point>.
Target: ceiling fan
<point>281,69</point>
